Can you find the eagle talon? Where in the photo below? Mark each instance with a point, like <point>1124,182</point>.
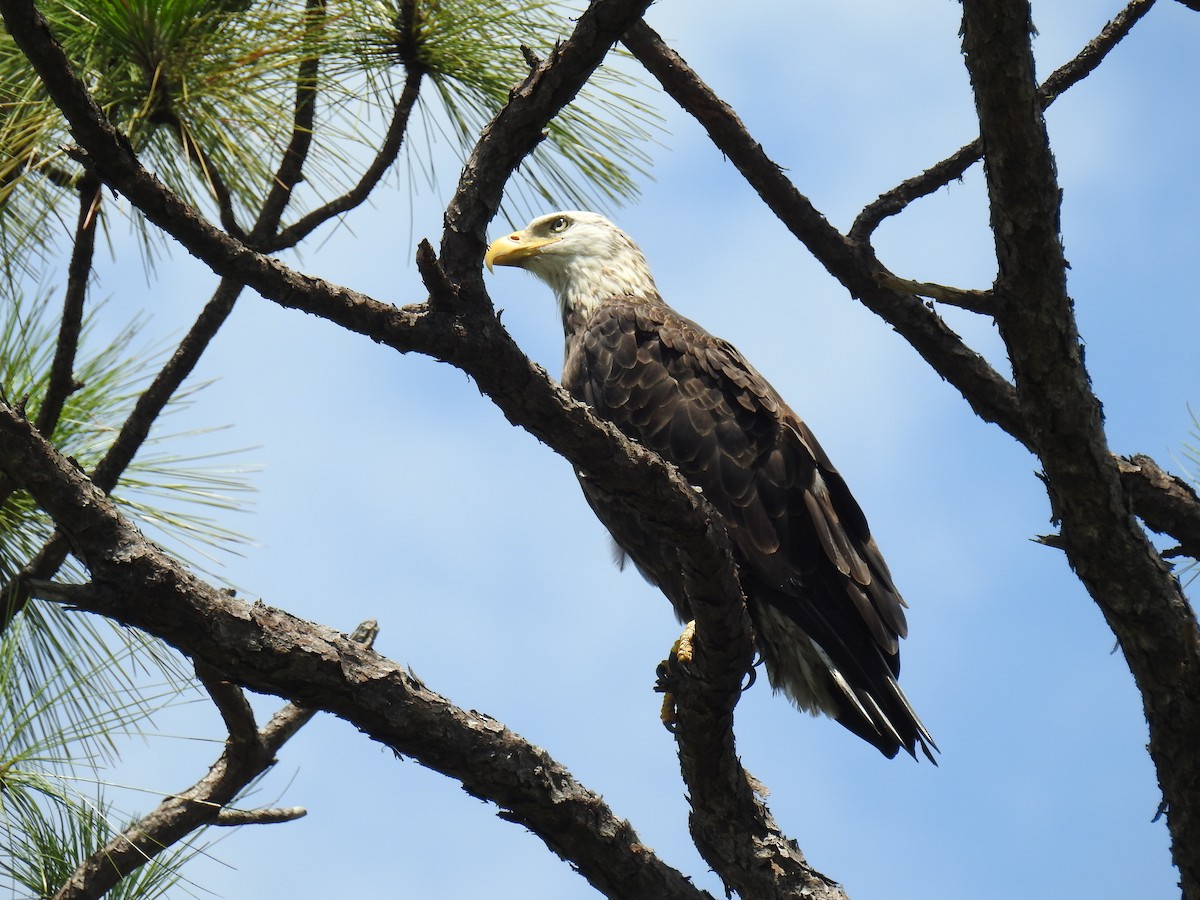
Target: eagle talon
<point>751,677</point>
<point>676,666</point>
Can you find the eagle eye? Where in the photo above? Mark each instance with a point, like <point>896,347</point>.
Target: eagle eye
<point>559,224</point>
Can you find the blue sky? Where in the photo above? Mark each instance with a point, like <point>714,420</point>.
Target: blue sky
<point>391,489</point>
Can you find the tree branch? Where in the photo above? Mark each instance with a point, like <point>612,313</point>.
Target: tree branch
<point>730,823</point>
<point>209,172</point>
<point>1166,503</point>
<point>291,165</point>
<point>972,301</point>
<point>939,175</point>
<point>854,265</point>
<point>1089,58</point>
<point>135,430</point>
<point>229,818</point>
<point>61,382</point>
<point>1141,601</point>
<point>268,650</point>
<point>79,271</point>
<point>231,703</point>
<point>389,149</point>
<point>248,754</point>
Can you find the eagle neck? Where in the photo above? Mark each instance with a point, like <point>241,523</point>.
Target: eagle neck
<point>582,283</point>
<point>577,312</point>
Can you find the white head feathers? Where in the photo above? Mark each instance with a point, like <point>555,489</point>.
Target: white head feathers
<point>583,257</point>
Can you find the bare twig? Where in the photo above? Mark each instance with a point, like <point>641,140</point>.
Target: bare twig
<point>235,817</point>
<point>973,301</point>
<point>954,166</point>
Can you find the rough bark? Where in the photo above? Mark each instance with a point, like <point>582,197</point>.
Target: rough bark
<point>1134,588</point>
<point>267,650</point>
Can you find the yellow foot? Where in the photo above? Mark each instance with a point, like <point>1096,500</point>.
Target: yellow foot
<point>669,670</point>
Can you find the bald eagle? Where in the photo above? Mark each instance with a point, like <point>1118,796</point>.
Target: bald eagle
<point>826,614</point>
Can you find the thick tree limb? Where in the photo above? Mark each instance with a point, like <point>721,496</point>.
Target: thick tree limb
<point>730,823</point>
<point>1133,587</point>
<point>268,650</point>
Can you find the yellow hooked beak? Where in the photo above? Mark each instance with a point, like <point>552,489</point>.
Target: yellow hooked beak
<point>512,249</point>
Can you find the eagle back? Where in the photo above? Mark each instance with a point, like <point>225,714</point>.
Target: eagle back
<point>692,398</point>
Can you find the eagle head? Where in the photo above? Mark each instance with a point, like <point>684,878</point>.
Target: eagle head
<point>583,257</point>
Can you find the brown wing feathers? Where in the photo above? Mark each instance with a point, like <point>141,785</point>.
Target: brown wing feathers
<point>801,539</point>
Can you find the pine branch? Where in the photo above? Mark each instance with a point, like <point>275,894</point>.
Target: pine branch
<point>62,375</point>
<point>61,383</point>
<point>138,584</point>
<point>389,150</point>
<point>730,822</point>
<point>291,165</point>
